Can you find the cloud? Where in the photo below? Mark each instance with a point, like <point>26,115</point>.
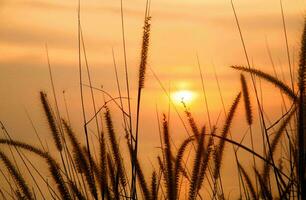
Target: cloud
<point>43,5</point>
<point>67,7</point>
<point>25,36</point>
<point>207,13</point>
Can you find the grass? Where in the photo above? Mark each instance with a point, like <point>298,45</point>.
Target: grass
<point>82,174</point>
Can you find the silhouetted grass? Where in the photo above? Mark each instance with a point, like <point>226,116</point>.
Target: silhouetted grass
<point>83,175</point>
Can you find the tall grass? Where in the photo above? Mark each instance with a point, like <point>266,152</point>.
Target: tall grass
<point>82,174</point>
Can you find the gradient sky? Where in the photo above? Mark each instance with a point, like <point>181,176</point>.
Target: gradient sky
<point>181,30</point>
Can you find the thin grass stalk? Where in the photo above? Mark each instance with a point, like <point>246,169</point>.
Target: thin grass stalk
<point>58,116</point>
<point>126,66</point>
<point>81,79</point>
<point>159,130</point>
<point>112,99</point>
<point>275,74</point>
<point>92,165</point>
<point>133,179</point>
<point>126,127</point>
<point>54,94</point>
<point>35,130</point>
<point>66,106</point>
<point>90,82</point>
<point>287,44</point>
<point>275,142</point>
<point>204,92</point>
<point>57,113</point>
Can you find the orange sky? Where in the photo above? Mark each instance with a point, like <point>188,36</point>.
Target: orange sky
<point>181,29</point>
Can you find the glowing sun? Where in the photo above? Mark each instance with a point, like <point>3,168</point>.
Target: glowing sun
<point>185,96</point>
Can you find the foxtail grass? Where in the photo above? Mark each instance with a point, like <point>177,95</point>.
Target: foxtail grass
<point>141,79</point>
<point>178,161</point>
<point>193,189</point>
<point>249,183</point>
<point>81,161</point>
<point>192,123</point>
<point>279,84</point>
<point>154,189</point>
<point>54,167</point>
<point>103,168</point>
<point>114,146</point>
<point>168,169</point>
<point>51,121</point>
<point>206,158</point>
<point>301,114</point>
<point>220,148</point>
<point>106,177</point>
<point>246,98</point>
<point>26,191</point>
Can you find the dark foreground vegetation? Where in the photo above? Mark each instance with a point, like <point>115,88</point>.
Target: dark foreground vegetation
<point>74,173</point>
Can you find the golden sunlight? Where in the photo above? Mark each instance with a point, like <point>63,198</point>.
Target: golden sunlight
<point>185,96</point>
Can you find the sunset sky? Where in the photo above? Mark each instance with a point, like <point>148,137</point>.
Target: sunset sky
<point>181,30</point>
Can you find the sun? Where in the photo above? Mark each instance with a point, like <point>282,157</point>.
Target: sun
<point>185,96</point>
